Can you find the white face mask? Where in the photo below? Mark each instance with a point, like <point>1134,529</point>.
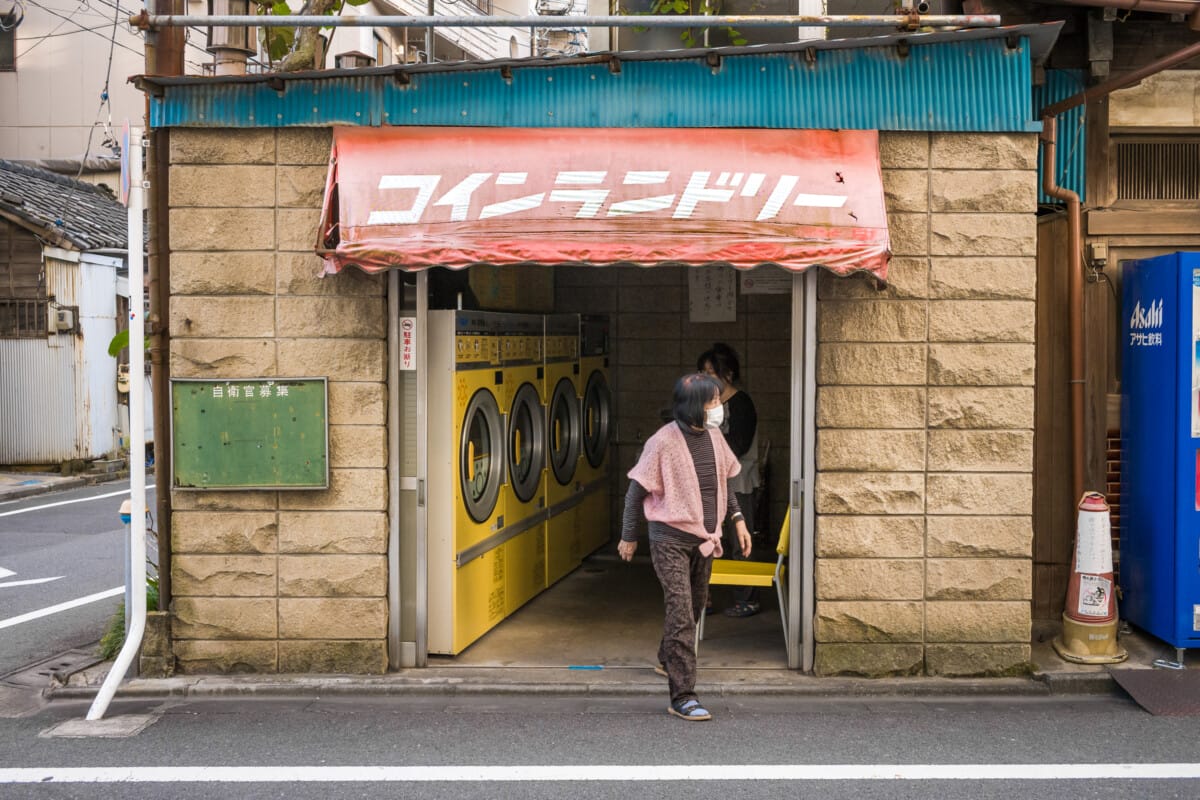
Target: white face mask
<point>713,417</point>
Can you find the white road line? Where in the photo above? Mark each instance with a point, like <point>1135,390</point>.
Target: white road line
<point>29,582</point>
<point>4,573</point>
<point>67,606</point>
<point>67,503</point>
<point>612,773</point>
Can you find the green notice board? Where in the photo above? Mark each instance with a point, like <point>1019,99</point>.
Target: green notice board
<point>254,433</point>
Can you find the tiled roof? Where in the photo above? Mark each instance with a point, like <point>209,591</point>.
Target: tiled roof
<point>64,210</point>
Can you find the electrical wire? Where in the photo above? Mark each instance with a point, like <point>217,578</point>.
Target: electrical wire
<point>112,46</point>
<point>12,26</point>
<point>37,40</point>
<point>202,31</point>
<point>104,103</point>
<point>84,6</point>
<point>57,35</point>
<point>53,31</point>
<point>83,28</point>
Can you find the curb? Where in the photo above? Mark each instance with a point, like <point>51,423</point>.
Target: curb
<point>1041,686</point>
<point>62,484</point>
<point>32,491</point>
<point>1079,683</point>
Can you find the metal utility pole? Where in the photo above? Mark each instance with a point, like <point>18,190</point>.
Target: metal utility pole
<point>904,21</point>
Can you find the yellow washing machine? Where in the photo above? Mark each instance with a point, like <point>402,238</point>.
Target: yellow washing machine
<point>596,413</point>
<point>466,504</point>
<point>564,444</point>
<point>524,492</point>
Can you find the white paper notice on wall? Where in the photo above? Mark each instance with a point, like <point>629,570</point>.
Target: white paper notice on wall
<point>765,280</point>
<point>712,294</point>
<point>1093,544</point>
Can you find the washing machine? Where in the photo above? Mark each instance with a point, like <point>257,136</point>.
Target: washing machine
<point>466,476</point>
<point>596,416</point>
<point>524,492</point>
<point>564,444</point>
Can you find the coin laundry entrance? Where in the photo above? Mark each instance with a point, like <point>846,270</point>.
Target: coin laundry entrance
<point>498,523</point>
<point>922,559</point>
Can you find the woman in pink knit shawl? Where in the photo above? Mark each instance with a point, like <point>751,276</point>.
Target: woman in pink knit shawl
<point>680,486</point>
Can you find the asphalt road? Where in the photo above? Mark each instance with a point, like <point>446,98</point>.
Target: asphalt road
<point>74,537</point>
<point>610,747</point>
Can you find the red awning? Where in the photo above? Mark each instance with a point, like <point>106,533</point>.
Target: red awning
<point>421,197</point>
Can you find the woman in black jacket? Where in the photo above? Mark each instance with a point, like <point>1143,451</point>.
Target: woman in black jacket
<point>741,434</point>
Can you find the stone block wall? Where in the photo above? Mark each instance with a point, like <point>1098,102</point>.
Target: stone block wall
<point>276,581</point>
<point>924,411</point>
<point>925,421</point>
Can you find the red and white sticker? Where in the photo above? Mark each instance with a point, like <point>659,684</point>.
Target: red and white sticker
<point>1094,594</point>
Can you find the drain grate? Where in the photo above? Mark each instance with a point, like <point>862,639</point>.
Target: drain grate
<point>57,668</point>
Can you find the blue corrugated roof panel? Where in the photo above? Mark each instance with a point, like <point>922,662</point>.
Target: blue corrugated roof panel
<point>1070,155</point>
<point>918,83</point>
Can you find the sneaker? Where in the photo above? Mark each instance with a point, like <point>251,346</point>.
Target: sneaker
<point>690,710</point>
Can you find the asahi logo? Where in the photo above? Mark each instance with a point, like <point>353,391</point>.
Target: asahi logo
<point>1143,318</point>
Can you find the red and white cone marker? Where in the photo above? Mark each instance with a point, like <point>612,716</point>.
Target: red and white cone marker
<point>1089,633</point>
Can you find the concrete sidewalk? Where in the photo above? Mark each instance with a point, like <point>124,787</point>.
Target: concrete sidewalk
<point>17,485</point>
<point>625,681</point>
<point>1051,677</point>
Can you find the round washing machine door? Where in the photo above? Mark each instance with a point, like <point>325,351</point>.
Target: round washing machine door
<point>564,431</point>
<point>597,410</point>
<point>526,443</point>
<point>480,458</point>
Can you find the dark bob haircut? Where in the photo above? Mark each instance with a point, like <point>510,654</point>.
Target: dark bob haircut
<point>724,361</point>
<point>692,393</point>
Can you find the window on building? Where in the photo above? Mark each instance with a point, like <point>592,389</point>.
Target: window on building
<point>1158,167</point>
<point>8,45</point>
<point>383,53</point>
<point>22,319</point>
<point>23,300</point>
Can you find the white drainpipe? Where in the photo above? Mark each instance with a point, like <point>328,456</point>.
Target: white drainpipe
<point>137,438</point>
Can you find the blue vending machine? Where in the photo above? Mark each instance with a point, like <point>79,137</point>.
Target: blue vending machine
<point>1160,448</point>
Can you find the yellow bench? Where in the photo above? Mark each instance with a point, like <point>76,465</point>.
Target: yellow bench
<point>727,572</point>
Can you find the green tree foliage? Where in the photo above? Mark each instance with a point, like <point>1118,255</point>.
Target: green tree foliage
<point>121,341</point>
<point>706,8</point>
<point>114,635</point>
<point>295,49</point>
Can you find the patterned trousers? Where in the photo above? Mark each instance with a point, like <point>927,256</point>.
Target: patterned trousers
<point>684,575</point>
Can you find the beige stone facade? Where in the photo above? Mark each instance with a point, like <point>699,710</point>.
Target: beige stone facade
<point>924,411</point>
<point>925,421</point>
<point>276,581</point>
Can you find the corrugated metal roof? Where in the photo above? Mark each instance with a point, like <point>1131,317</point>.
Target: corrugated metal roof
<point>976,80</point>
<point>65,210</point>
<point>1070,155</point>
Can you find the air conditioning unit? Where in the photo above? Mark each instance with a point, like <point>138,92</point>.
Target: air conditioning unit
<point>60,319</point>
<point>123,378</point>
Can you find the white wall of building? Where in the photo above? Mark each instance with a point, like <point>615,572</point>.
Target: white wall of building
<point>52,100</point>
<point>98,325</point>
